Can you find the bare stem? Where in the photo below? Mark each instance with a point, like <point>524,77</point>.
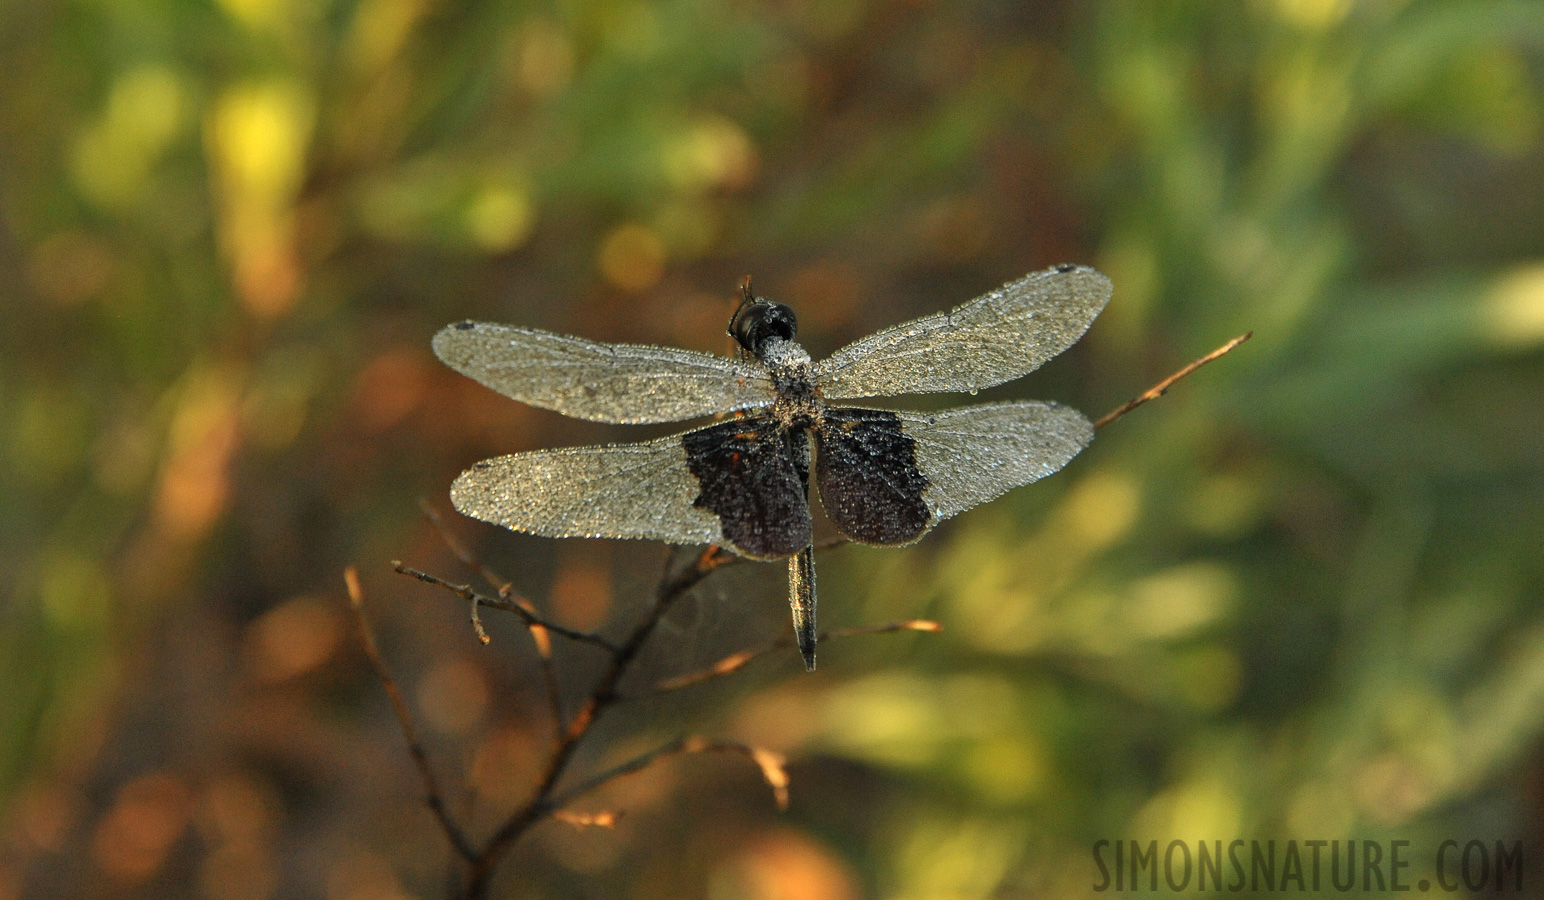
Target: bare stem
<point>1162,387</point>
<point>734,662</point>
<point>466,593</point>
<point>771,765</point>
<point>435,799</point>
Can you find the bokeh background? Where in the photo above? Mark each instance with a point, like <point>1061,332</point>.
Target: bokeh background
<point>1298,598</point>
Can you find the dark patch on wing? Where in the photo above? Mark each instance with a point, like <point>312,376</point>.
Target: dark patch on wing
<point>747,471</point>
<point>869,481</point>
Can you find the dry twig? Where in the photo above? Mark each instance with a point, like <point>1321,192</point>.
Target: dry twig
<point>531,618</point>
<point>772,766</point>
<point>734,662</point>
<point>1162,387</point>
<point>415,747</point>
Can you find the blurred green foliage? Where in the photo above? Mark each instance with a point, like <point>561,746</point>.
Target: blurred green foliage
<point>1297,599</point>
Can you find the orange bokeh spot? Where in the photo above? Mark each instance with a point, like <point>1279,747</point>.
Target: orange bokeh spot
<point>632,258</point>
<point>134,837</point>
<point>293,638</point>
<point>787,865</point>
<point>390,387</point>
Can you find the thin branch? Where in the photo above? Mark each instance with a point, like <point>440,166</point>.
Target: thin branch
<point>1162,387</point>
<point>770,763</point>
<point>737,661</point>
<point>466,593</point>
<point>435,799</point>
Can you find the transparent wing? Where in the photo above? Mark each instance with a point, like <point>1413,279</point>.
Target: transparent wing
<point>643,490</point>
<point>975,453</point>
<point>992,339</point>
<point>622,383</point>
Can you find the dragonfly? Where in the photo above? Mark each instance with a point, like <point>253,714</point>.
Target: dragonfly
<point>883,477</point>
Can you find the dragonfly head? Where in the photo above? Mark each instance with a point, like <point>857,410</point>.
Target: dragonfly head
<point>759,320</point>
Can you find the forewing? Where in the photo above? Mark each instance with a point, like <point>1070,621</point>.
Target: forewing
<point>644,490</point>
<point>623,383</point>
<point>975,453</point>
<point>992,339</point>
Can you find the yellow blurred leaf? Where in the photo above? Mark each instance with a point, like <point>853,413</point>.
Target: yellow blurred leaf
<point>113,157</point>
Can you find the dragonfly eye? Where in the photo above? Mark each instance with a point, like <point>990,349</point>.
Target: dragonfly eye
<point>760,322</point>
